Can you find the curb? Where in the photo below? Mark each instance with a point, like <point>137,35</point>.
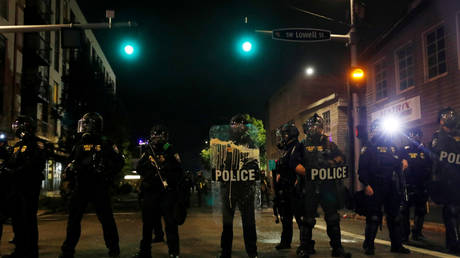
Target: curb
<point>428,226</point>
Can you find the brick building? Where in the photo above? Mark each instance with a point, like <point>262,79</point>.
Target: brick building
<point>299,100</point>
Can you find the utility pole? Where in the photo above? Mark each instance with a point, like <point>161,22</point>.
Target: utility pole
<point>353,110</point>
<point>354,105</point>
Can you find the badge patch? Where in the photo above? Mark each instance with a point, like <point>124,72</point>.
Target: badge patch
<point>24,148</point>
<point>16,149</point>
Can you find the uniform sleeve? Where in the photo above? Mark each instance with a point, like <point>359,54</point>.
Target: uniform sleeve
<point>336,153</point>
<point>143,165</point>
<point>175,172</point>
<point>296,158</point>
<point>364,166</point>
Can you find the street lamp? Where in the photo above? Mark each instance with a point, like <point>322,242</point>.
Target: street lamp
<point>309,71</point>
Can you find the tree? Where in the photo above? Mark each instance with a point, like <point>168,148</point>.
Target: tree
<point>258,135</point>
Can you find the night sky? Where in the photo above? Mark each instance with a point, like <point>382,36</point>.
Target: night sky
<point>189,74</point>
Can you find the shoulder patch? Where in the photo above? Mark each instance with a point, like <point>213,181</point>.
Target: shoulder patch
<point>176,155</point>
<point>434,143</point>
<point>363,149</point>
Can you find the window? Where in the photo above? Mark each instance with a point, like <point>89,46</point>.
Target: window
<point>57,12</point>
<point>2,70</point>
<point>327,122</point>
<point>405,67</point>
<point>435,52</point>
<point>4,9</point>
<point>57,50</point>
<point>381,90</point>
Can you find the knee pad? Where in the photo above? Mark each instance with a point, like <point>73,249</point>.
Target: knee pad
<point>309,222</point>
<point>332,219</point>
<point>374,219</point>
<point>396,220</point>
<point>405,210</point>
<point>420,211</point>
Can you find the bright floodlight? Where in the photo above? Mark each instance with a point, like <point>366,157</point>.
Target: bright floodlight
<point>247,46</point>
<point>391,125</point>
<point>2,136</point>
<point>129,49</point>
<point>309,71</point>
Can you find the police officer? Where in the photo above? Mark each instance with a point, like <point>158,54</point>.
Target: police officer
<point>201,187</point>
<point>94,162</point>
<point>26,165</point>
<point>320,152</point>
<point>5,182</point>
<point>161,171</point>
<point>286,197</point>
<point>239,193</point>
<point>379,171</point>
<point>446,175</point>
<point>416,178</point>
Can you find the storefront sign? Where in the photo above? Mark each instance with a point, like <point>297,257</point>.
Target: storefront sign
<point>407,110</point>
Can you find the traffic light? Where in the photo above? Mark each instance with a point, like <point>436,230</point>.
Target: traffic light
<point>246,44</point>
<point>357,78</point>
<point>129,49</point>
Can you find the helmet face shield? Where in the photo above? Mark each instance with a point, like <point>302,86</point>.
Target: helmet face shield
<point>158,135</point>
<point>448,118</point>
<point>23,126</point>
<point>90,123</point>
<point>314,126</point>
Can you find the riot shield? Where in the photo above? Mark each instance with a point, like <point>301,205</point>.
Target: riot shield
<point>234,162</point>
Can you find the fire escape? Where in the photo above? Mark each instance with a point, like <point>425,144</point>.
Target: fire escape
<point>35,90</point>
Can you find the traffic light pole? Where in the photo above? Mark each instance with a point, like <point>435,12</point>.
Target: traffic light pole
<point>354,107</point>
<point>54,27</point>
<point>353,110</point>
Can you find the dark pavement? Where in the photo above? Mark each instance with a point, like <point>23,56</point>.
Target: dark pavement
<point>200,237</point>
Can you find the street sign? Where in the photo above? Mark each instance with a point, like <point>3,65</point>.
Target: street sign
<point>301,35</point>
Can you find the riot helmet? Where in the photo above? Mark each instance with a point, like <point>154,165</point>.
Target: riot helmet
<point>23,126</point>
<point>90,123</point>
<point>289,133</point>
<point>447,117</point>
<point>159,135</point>
<point>238,124</point>
<point>314,126</point>
<point>415,135</point>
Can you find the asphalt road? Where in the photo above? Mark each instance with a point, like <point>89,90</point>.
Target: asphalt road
<point>200,237</point>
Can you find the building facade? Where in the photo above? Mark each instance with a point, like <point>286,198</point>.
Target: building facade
<point>41,77</point>
<point>11,62</point>
<point>414,68</point>
<point>299,100</point>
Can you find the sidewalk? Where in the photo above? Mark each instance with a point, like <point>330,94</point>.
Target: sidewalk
<point>433,220</point>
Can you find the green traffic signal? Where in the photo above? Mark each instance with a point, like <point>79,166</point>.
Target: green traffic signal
<point>246,46</point>
<point>129,49</point>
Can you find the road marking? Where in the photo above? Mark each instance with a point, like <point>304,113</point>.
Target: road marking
<point>388,243</point>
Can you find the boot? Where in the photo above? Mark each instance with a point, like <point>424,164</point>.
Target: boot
<point>281,246</point>
<point>400,249</point>
<point>370,234</point>
<point>142,254</point>
<point>417,230</point>
<point>340,252</point>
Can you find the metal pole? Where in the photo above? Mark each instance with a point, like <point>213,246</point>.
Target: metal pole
<point>54,27</point>
<point>354,107</point>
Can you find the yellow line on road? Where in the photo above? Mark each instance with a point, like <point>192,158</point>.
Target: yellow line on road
<point>388,243</point>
